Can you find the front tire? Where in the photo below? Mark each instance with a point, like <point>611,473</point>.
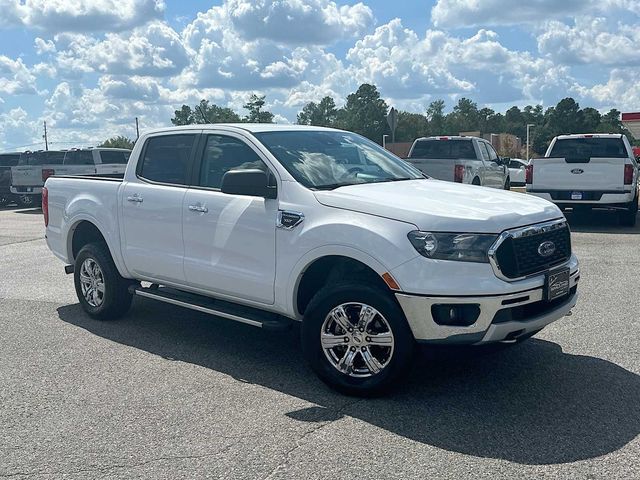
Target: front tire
<point>356,338</point>
<point>102,292</point>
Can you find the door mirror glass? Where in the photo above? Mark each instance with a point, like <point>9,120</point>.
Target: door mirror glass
<point>251,182</point>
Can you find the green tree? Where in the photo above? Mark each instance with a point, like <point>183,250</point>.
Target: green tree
<point>321,114</point>
<point>514,122</point>
<point>591,119</point>
<point>464,117</point>
<point>184,116</point>
<point>204,112</point>
<point>256,114</point>
<point>118,142</point>
<point>411,126</point>
<point>436,118</point>
<point>365,113</point>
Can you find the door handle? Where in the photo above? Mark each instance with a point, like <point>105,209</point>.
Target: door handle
<point>134,198</point>
<point>198,208</point>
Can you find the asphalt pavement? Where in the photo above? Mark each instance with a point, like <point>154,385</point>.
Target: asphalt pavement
<point>167,393</point>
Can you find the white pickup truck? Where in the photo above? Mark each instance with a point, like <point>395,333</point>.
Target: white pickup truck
<point>33,169</point>
<point>588,171</point>
<point>460,159</point>
<point>266,225</point>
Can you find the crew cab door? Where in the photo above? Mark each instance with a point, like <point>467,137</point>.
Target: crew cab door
<point>229,240</point>
<point>494,171</point>
<point>152,208</point>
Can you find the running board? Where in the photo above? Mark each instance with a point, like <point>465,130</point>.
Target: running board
<point>219,308</point>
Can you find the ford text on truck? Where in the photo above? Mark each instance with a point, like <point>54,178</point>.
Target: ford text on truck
<point>460,159</point>
<point>588,171</point>
<point>268,225</point>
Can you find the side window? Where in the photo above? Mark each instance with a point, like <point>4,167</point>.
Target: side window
<point>223,153</point>
<point>514,164</point>
<point>78,157</point>
<point>493,156</point>
<point>114,156</point>
<point>483,151</point>
<point>166,159</point>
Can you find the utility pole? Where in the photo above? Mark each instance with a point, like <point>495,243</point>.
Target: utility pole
<point>529,125</point>
<point>137,130</point>
<point>46,140</point>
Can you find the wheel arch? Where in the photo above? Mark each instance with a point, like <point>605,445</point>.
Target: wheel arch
<point>314,272</point>
<point>83,231</point>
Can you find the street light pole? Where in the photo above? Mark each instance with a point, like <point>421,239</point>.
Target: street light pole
<point>384,141</point>
<point>529,125</point>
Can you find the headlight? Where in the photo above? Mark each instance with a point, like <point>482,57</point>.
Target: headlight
<point>462,247</point>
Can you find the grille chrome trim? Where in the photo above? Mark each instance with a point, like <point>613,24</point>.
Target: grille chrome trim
<point>521,232</point>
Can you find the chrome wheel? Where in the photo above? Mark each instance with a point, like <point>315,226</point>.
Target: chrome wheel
<point>357,340</point>
<point>92,282</point>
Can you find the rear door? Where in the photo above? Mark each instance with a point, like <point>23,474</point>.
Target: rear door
<point>229,240</point>
<point>77,162</point>
<point>494,169</point>
<point>582,164</point>
<point>152,208</point>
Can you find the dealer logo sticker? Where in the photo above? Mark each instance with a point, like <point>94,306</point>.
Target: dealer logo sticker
<point>546,249</point>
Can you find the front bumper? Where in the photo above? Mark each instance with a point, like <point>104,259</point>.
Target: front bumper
<point>501,316</point>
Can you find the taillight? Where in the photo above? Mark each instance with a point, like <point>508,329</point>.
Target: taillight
<point>458,173</point>
<point>45,206</point>
<point>46,173</point>
<point>528,174</point>
<point>628,174</point>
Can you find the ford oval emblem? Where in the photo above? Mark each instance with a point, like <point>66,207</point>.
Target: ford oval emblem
<point>546,249</point>
<point>577,171</point>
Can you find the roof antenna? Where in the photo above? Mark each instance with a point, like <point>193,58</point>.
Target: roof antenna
<point>204,117</point>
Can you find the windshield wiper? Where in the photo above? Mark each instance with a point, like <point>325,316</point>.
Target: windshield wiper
<point>332,186</point>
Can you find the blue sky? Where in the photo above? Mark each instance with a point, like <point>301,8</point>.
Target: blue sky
<point>89,67</point>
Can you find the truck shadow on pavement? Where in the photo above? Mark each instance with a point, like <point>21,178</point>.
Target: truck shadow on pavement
<point>599,221</point>
<point>530,403</point>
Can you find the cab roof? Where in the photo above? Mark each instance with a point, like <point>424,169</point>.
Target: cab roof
<point>248,127</point>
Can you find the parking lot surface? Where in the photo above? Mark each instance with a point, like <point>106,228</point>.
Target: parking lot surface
<point>171,393</point>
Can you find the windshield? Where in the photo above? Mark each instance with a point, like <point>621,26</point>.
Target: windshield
<point>589,148</point>
<point>444,149</point>
<point>326,160</point>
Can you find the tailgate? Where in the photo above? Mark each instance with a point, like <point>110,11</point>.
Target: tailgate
<point>440,169</point>
<point>27,176</point>
<point>595,174</point>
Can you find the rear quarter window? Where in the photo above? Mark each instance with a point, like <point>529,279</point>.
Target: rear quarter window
<point>585,148</point>
<point>78,157</point>
<point>444,149</point>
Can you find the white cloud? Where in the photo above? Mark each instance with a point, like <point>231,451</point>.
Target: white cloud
<point>296,21</point>
<point>15,77</point>
<point>590,40</point>
<point>44,46</point>
<point>461,13</point>
<point>16,129</point>
<point>406,66</point>
<point>80,15</point>
<point>154,49</point>
<point>621,91</point>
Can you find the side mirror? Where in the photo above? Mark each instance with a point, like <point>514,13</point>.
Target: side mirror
<point>505,160</point>
<point>251,182</point>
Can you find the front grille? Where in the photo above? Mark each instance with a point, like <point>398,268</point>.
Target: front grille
<point>518,256</point>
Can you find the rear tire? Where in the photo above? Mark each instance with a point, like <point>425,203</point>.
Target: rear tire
<point>357,363</point>
<point>476,181</point>
<point>507,184</point>
<point>628,218</point>
<point>102,292</point>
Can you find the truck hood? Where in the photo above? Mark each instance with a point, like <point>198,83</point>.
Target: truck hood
<point>434,205</point>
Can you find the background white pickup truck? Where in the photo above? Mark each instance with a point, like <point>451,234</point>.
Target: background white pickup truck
<point>587,171</point>
<point>460,159</point>
<point>33,169</point>
<point>268,225</point>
